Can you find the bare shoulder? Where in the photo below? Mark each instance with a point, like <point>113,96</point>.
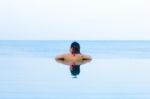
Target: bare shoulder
<point>86,57</point>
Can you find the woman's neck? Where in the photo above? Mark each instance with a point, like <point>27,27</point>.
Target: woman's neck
<point>73,54</point>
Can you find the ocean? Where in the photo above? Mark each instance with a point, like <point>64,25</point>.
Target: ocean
<point>119,70</point>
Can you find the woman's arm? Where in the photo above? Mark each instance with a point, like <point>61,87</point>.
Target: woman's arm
<point>86,57</point>
<point>60,57</point>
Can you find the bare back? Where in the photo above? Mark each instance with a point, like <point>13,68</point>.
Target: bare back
<point>71,57</point>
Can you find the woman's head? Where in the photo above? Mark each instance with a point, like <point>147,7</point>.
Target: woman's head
<point>75,48</point>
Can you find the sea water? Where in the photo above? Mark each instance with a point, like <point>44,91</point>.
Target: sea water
<point>119,70</point>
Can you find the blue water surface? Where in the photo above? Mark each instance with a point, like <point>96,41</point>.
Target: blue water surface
<point>97,49</point>
<point>119,70</point>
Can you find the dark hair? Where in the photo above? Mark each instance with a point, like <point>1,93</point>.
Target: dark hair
<point>75,70</point>
<point>75,48</point>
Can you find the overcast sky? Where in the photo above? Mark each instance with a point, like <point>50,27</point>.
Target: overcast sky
<point>75,19</point>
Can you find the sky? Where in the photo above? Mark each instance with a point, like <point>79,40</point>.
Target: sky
<point>74,19</point>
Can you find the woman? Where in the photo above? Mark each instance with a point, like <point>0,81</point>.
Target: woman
<point>74,54</point>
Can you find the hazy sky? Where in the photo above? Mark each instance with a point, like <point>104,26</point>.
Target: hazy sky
<point>75,19</point>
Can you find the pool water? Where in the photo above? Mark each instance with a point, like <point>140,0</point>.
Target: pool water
<point>119,70</point>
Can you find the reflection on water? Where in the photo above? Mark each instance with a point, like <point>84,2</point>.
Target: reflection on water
<point>74,66</point>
